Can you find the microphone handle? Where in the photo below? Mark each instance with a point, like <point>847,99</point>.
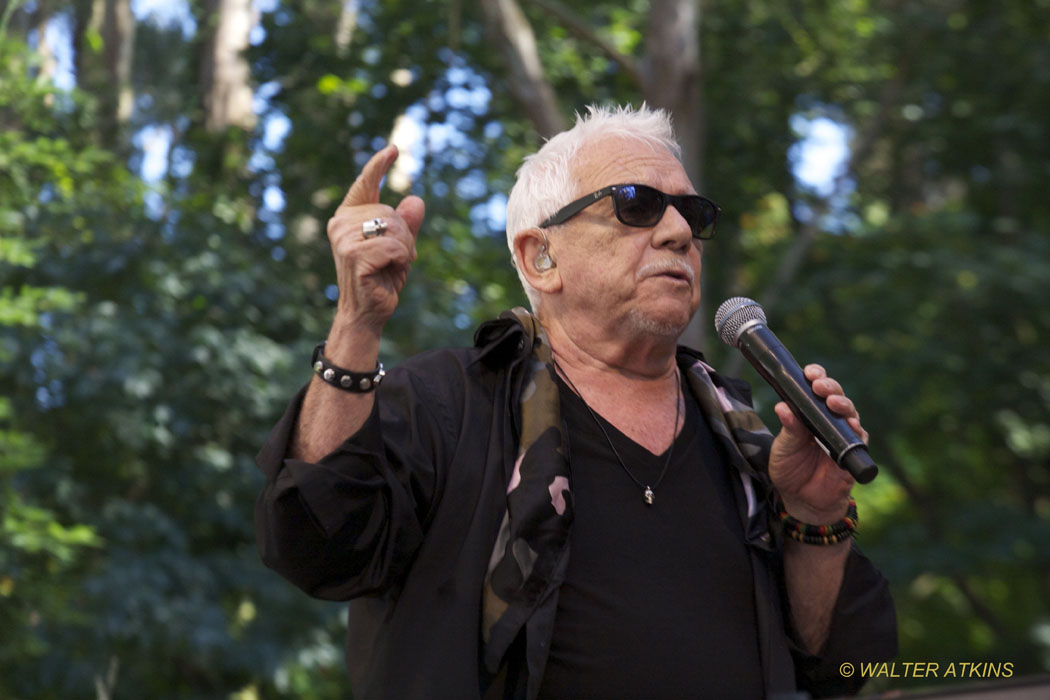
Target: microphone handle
<point>781,371</point>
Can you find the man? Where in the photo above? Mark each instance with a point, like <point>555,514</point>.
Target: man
<point>575,507</point>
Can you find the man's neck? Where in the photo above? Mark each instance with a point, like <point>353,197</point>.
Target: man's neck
<point>633,386</point>
<point>613,360</point>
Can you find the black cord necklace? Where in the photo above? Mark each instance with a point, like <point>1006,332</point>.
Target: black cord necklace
<point>647,491</point>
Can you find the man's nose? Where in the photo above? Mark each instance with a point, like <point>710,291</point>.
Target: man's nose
<point>672,231</point>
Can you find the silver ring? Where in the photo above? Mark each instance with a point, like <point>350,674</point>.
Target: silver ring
<point>373,228</point>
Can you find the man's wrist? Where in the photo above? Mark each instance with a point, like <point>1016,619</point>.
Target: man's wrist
<point>354,346</point>
<point>816,516</point>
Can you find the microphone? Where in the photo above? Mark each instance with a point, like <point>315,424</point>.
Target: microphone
<point>741,322</point>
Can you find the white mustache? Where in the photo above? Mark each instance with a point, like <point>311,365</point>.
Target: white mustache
<point>667,265</point>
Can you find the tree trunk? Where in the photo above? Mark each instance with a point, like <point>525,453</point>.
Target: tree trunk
<point>672,75</point>
<point>344,28</point>
<point>119,39</point>
<point>225,74</point>
<point>512,33</point>
<point>672,70</point>
<point>104,69</point>
<point>48,61</point>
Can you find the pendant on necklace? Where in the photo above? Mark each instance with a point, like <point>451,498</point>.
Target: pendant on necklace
<point>648,496</point>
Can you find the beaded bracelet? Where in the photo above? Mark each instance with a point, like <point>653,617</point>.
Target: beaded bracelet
<point>820,534</point>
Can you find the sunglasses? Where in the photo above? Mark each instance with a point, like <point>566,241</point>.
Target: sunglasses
<point>644,206</point>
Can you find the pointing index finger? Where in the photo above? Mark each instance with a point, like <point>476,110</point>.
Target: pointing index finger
<point>365,189</point>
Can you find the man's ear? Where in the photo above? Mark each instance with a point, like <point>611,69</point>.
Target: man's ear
<point>536,260</point>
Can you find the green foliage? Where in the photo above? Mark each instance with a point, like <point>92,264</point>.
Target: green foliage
<point>963,421</point>
<point>38,543</point>
<point>139,386</point>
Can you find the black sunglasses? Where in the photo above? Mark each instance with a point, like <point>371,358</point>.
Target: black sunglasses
<point>644,206</point>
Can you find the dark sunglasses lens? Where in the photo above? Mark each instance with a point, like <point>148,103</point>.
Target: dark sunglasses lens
<point>699,213</point>
<point>638,205</point>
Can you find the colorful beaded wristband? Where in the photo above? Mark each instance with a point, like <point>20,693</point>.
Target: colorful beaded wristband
<point>820,534</point>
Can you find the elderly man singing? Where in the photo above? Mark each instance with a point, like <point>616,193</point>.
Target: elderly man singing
<point>575,507</point>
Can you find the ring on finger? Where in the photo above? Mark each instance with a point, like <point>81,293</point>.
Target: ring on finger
<point>373,228</point>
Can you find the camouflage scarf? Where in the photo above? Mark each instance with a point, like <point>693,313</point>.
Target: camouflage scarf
<point>527,562</point>
<point>529,559</point>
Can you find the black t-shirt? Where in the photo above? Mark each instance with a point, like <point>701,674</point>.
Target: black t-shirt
<point>658,600</point>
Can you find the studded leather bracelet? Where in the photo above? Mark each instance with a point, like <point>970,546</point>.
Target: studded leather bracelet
<point>355,382</point>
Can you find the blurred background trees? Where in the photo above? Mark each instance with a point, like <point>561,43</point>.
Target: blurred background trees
<point>166,172</point>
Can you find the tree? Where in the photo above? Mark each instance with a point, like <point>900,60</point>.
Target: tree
<point>224,69</point>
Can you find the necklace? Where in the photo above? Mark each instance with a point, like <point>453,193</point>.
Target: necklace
<point>647,490</point>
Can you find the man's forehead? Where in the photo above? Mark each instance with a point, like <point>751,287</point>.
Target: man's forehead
<point>613,160</point>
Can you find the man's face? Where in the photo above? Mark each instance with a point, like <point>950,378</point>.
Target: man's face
<point>636,279</point>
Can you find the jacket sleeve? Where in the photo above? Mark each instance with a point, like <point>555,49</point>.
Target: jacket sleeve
<point>863,630</point>
<point>350,524</point>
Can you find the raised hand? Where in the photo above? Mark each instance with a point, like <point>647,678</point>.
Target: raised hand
<point>371,271</point>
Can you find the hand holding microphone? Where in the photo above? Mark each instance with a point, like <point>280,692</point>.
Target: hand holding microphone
<point>741,322</point>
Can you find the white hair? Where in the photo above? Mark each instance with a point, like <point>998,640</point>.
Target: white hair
<point>546,181</point>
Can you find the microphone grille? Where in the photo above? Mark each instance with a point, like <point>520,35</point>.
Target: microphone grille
<point>733,314</point>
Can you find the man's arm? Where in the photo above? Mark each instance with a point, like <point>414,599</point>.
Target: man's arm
<point>813,577</point>
<point>370,274</point>
<point>329,415</point>
<point>341,519</point>
<point>847,617</point>
<point>349,524</point>
<point>814,490</point>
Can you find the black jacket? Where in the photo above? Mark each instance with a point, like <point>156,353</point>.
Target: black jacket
<point>401,520</point>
